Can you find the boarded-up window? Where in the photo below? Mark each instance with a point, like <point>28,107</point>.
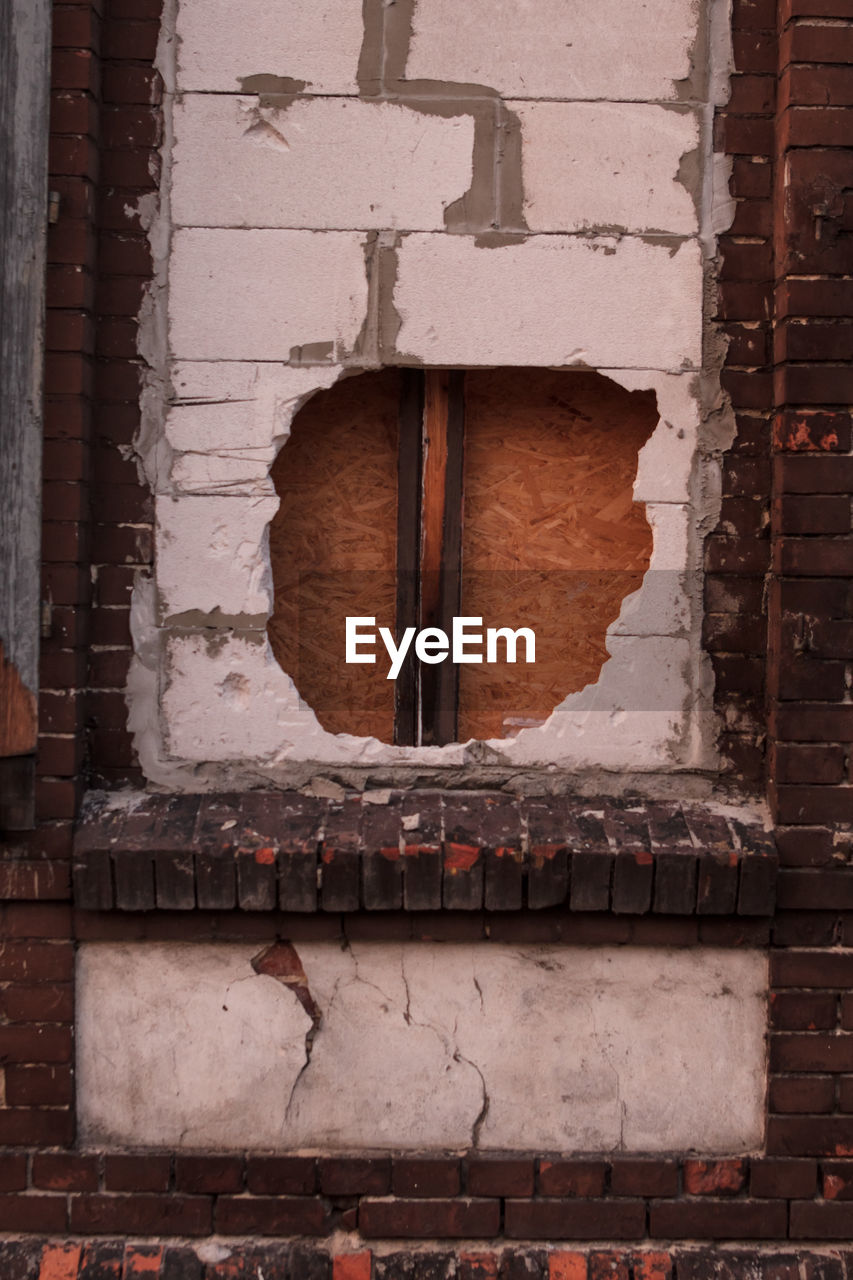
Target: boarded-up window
<point>412,497</point>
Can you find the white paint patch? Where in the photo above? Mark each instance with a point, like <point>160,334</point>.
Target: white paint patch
<point>423,1046</point>
<point>320,162</point>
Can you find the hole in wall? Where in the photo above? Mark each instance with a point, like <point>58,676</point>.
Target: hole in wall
<point>536,527</point>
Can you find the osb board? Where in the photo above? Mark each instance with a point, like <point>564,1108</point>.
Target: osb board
<point>333,549</point>
<point>552,538</point>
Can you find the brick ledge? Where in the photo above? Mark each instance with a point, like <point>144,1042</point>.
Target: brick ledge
<point>419,851</point>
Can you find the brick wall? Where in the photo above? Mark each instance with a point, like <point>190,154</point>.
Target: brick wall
<point>786,306</point>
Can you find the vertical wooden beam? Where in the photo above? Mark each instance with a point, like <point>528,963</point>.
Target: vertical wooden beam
<point>441,542</point>
<point>24,96</point>
<point>406,709</point>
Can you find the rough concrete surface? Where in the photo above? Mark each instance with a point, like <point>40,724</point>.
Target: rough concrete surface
<point>557,49</point>
<point>421,1046</point>
<point>316,41</point>
<point>316,163</point>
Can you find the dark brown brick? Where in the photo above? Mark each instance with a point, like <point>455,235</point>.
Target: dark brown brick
<point>414,1219</point>
<point>136,1173</point>
<point>141,1214</point>
<point>354,1175</point>
<point>644,1177</point>
<point>433,1176</point>
<point>211,1175</point>
<point>499,1176</point>
<point>789,1179</point>
<point>718,1219</point>
<point>281,1216</point>
<point>281,1175</point>
<point>575,1219</point>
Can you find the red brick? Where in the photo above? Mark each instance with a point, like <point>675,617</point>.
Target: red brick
<point>136,1173</point>
<point>815,804</point>
<point>845,1093</point>
<point>500,1176</point>
<point>352,1266</point>
<point>132,84</point>
<point>754,51</point>
<point>134,41</point>
<point>36,1127</point>
<point>35,1044</point>
<point>714,1177</point>
<point>141,1214</point>
<point>575,1219</point>
<point>75,69</point>
<point>718,1219</point>
<point>60,1262</point>
<point>348,1176</point>
<point>609,1266</point>
<point>130,127</point>
<point>416,1219</point>
<point>815,1221</point>
<point>38,1086</point>
<point>810,1135</point>
<point>814,722</point>
<point>281,1175</point>
<point>478,1266</point>
<point>65,1172</point>
<point>644,1177</point>
<point>744,135</point>
<point>804,43</point>
<point>817,86</point>
<point>425,1176</point>
<point>211,1175</point>
<point>837,1180</point>
<point>811,1052</point>
<point>567,1266</point>
<point>282,1216</point>
<point>571,1177</point>
<point>13,1172</point>
<point>789,1179</point>
<point>34,1213</point>
<point>800,1011</point>
<point>653,1266</point>
<point>752,93</point>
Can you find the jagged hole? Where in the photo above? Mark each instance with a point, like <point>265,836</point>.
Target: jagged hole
<point>551,538</point>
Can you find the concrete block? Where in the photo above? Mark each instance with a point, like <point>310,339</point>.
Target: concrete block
<point>551,49</point>
<point>229,420</point>
<point>226,698</point>
<point>628,1049</point>
<point>317,163</point>
<point>611,303</point>
<point>662,606</point>
<point>315,41</point>
<point>212,554</point>
<point>609,165</point>
<point>254,295</point>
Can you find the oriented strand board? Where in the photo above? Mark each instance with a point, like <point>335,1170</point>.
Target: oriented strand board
<point>333,549</point>
<point>552,538</point>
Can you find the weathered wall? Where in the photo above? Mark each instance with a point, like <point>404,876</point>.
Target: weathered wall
<point>393,196</point>
<point>421,1045</point>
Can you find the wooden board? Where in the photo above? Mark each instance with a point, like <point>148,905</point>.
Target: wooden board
<point>24,82</point>
<point>552,538</point>
<point>333,549</point>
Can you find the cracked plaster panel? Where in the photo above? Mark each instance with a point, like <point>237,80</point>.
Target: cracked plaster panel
<point>557,48</point>
<point>605,302</point>
<point>212,554</point>
<point>437,1046</point>
<point>254,295</point>
<point>606,164</point>
<point>317,41</point>
<point>317,163</point>
<point>181,1043</point>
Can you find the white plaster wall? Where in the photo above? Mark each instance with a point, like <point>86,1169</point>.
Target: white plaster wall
<point>423,1046</point>
<point>331,242</point>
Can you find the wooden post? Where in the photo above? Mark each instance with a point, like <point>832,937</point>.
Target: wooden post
<point>24,98</point>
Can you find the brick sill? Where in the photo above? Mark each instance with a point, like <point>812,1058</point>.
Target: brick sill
<point>418,851</point>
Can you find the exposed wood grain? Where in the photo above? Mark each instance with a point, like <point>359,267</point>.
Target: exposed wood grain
<point>441,539</point>
<point>333,549</point>
<point>552,538</point>
<point>24,72</point>
<point>409,479</point>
